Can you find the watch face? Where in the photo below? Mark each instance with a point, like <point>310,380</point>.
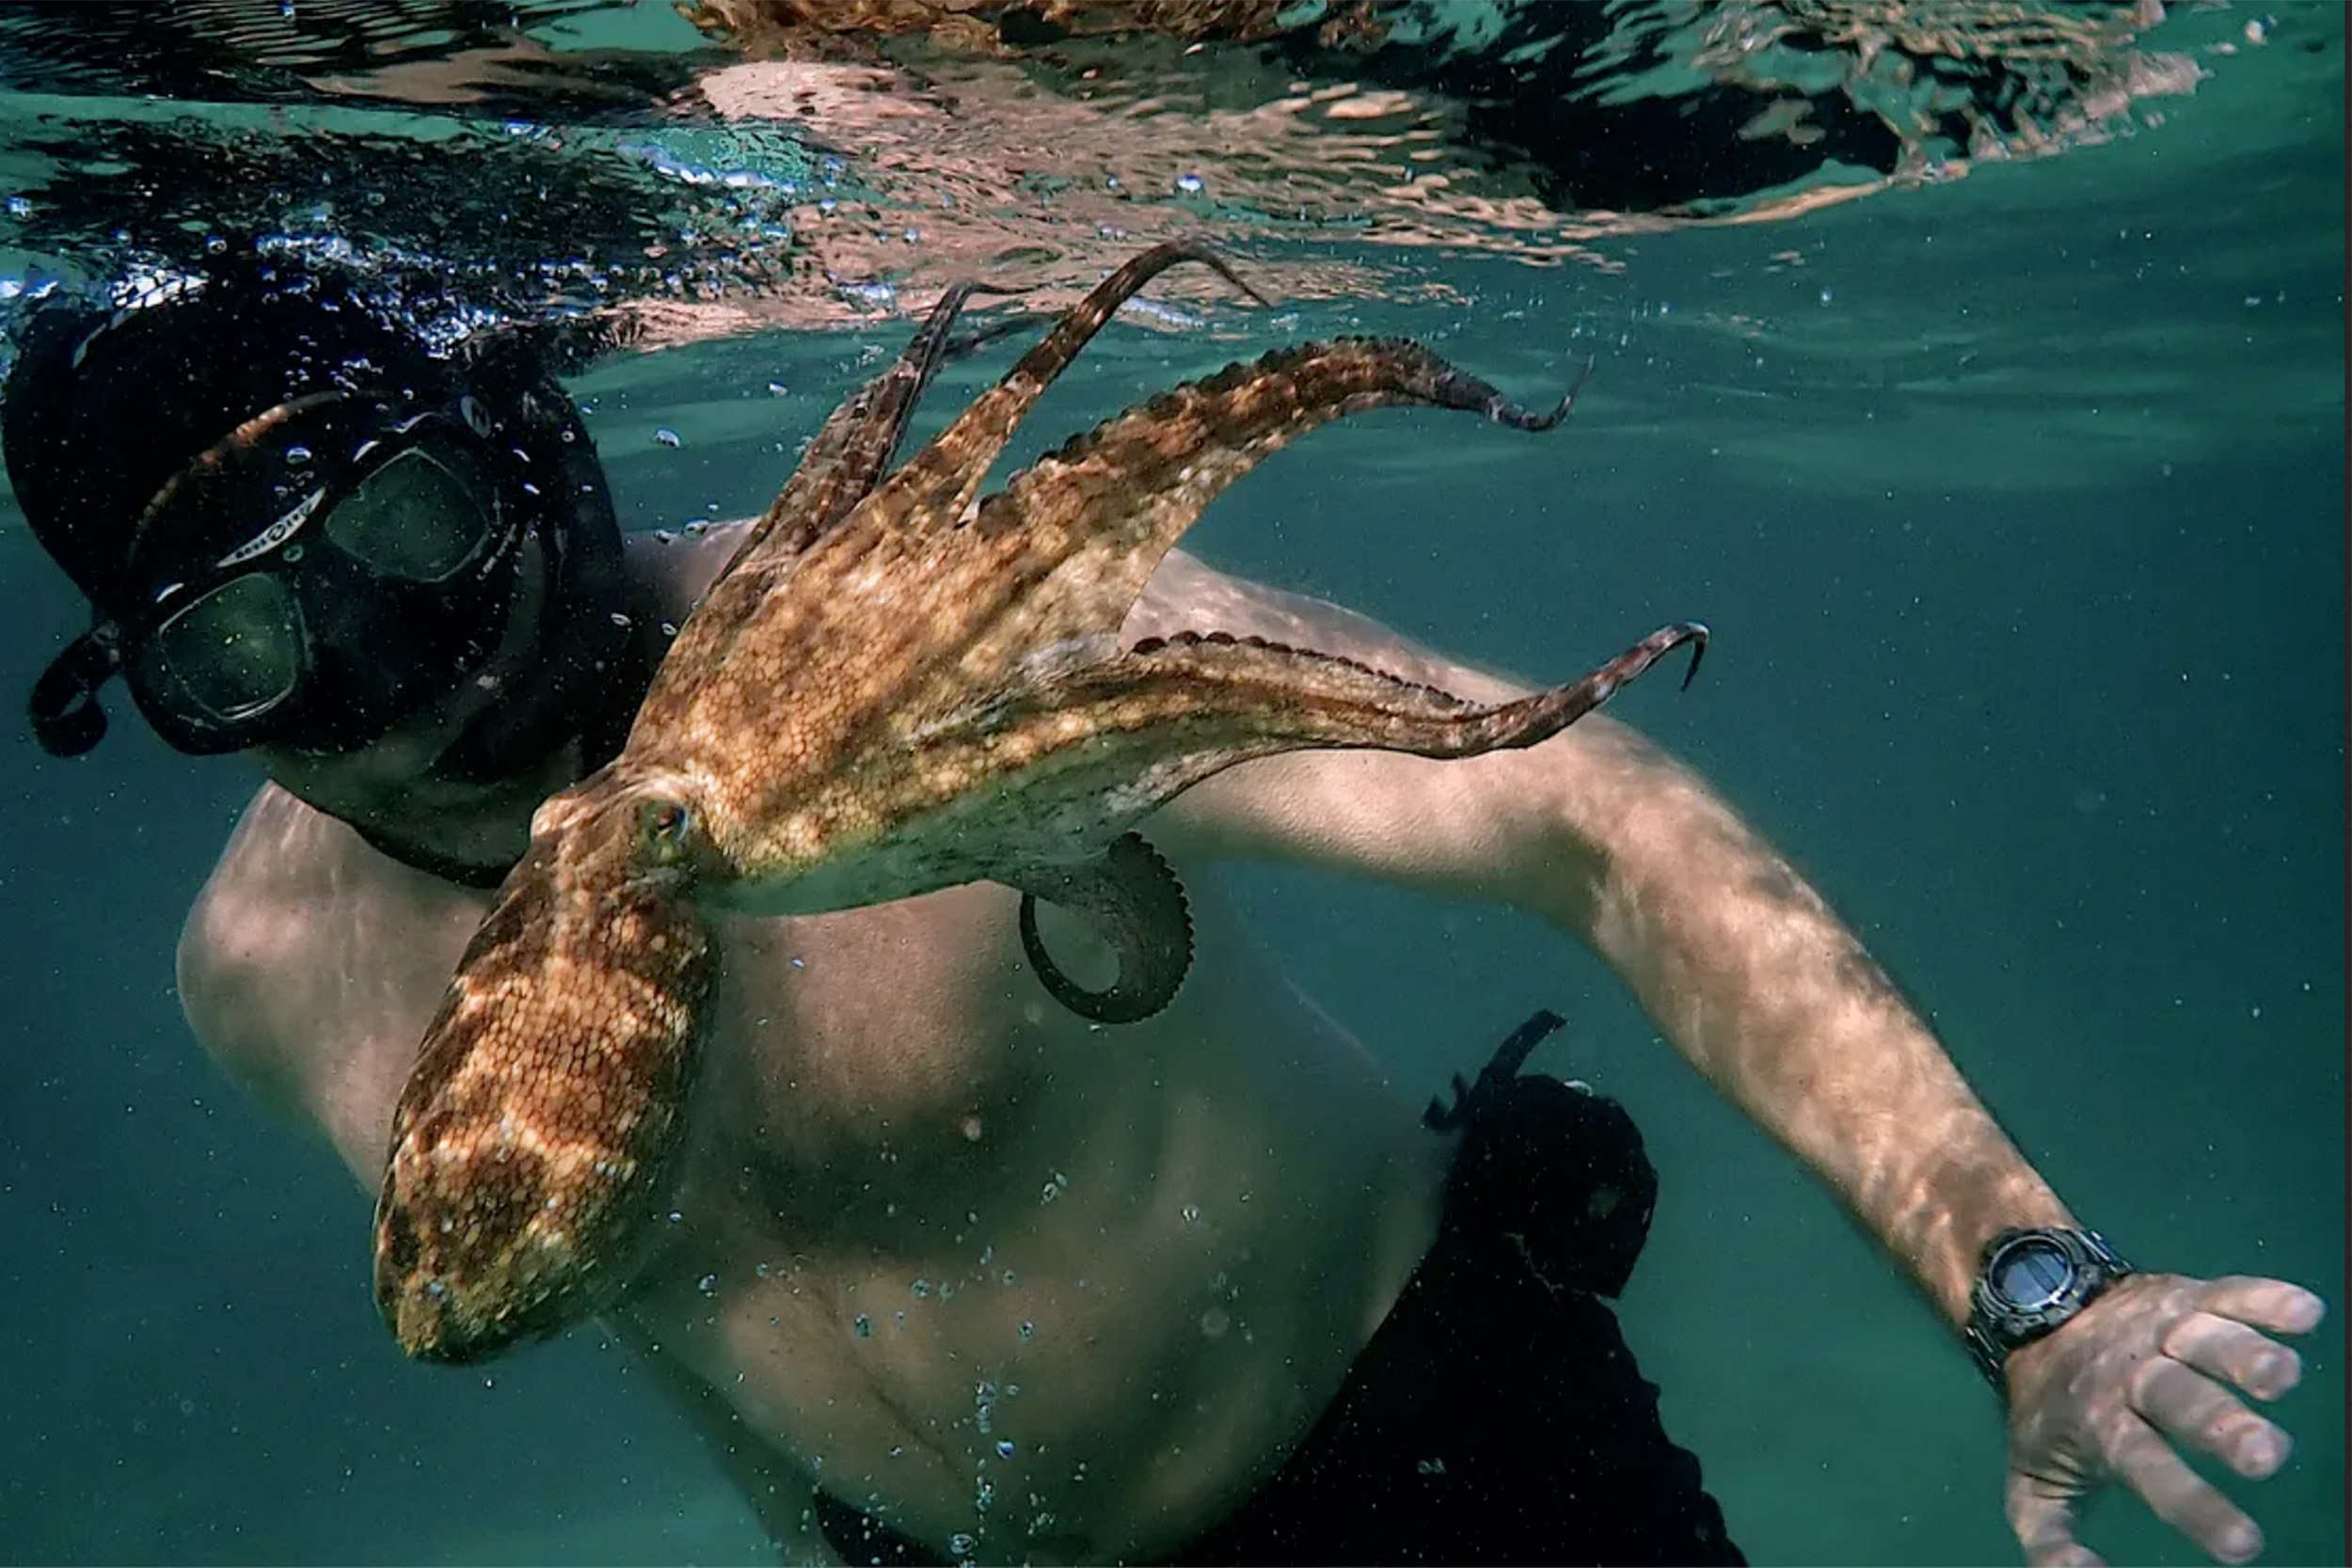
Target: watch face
<point>2032,1274</point>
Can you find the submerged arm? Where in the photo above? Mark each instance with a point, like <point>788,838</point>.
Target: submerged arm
<point>1759,986</point>
<point>1745,967</point>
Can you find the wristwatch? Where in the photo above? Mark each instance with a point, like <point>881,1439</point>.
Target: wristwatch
<point>2029,1284</point>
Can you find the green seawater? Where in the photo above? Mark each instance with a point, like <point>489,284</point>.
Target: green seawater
<point>2016,504</point>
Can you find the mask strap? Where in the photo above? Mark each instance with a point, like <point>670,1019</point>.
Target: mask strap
<point>434,863</point>
<point>67,719</point>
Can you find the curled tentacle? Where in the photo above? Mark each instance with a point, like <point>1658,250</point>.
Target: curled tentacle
<point>1133,898</point>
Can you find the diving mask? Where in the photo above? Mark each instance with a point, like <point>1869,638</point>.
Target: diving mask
<point>310,580</point>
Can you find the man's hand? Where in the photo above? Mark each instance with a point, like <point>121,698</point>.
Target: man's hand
<point>2151,1362</point>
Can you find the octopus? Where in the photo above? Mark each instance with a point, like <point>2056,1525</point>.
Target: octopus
<point>895,685</point>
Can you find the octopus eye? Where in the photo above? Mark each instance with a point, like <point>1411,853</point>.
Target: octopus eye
<point>662,827</point>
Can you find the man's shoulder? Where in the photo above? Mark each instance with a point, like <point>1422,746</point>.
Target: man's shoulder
<point>304,947</point>
<point>247,923</point>
<point>284,869</point>
<point>274,854</point>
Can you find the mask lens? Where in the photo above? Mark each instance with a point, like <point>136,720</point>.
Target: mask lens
<point>420,517</point>
<point>233,654</point>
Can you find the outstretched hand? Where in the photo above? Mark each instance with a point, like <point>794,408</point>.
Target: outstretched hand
<point>2157,1360</point>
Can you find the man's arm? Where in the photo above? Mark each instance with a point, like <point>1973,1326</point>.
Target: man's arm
<point>1759,985</point>
<point>309,966</point>
<point>1745,967</point>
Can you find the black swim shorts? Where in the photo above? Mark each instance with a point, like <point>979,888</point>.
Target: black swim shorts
<point>1496,1414</point>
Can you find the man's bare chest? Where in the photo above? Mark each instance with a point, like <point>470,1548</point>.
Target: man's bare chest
<point>983,1268</point>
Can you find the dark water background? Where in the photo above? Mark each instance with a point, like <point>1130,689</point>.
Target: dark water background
<point>2017,507</point>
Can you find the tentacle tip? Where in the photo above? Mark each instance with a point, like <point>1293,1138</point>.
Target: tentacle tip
<point>1558,412</point>
<point>1696,634</point>
<point>1576,389</point>
<point>1225,269</point>
<point>1248,290</point>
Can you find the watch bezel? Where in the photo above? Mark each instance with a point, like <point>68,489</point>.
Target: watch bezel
<point>1997,1324</point>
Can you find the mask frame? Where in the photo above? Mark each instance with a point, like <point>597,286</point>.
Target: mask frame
<point>337,618</point>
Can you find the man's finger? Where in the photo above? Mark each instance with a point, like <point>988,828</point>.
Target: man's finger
<point>2190,1406</point>
<point>2043,1517</point>
<point>2271,1304</point>
<point>2181,1498</point>
<point>2226,1349</point>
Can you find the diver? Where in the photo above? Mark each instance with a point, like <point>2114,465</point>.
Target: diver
<point>1255,1309</point>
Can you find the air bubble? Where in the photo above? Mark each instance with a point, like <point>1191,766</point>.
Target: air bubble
<point>667,437</point>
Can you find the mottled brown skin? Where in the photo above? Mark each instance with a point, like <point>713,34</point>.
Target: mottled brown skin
<point>552,1080</point>
<point>924,693</point>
